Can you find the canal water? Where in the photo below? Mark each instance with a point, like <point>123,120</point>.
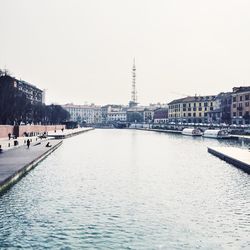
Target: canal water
<point>127,189</point>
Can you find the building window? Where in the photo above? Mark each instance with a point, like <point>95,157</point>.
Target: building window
<point>247,97</point>
<point>200,109</point>
<point>247,104</point>
<point>211,108</point>
<point>234,99</point>
<point>194,114</point>
<point>241,98</point>
<point>240,113</point>
<point>199,114</point>
<point>234,105</point>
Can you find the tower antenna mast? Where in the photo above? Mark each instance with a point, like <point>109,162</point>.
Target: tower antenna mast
<point>134,92</point>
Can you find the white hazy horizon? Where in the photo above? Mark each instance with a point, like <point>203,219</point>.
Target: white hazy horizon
<point>82,51</point>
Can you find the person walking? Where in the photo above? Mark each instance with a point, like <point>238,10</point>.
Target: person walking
<point>28,143</point>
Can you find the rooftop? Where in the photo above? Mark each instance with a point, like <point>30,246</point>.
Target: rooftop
<point>193,99</point>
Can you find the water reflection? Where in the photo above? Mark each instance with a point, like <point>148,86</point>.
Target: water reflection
<point>122,189</point>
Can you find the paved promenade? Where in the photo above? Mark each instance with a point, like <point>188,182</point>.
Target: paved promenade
<point>236,156</point>
<point>17,162</point>
<point>7,144</point>
<point>68,132</point>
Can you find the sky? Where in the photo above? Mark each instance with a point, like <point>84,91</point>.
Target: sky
<point>81,51</point>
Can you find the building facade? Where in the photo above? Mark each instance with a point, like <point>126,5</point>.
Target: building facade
<point>113,113</point>
<point>34,94</point>
<point>240,105</point>
<point>118,116</point>
<point>89,114</point>
<point>161,115</point>
<point>221,113</point>
<point>191,109</point>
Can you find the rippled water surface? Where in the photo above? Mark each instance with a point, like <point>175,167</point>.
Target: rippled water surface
<point>125,189</point>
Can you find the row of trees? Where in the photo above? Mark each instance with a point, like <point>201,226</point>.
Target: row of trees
<point>16,108</point>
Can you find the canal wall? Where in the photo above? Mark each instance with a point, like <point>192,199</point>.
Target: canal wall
<point>27,129</point>
<point>160,130</point>
<point>5,130</point>
<point>235,156</point>
<point>243,138</point>
<point>14,164</point>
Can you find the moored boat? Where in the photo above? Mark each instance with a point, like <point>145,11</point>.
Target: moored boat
<point>191,132</point>
<point>216,133</point>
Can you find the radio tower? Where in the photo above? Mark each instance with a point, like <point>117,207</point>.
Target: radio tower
<point>133,101</point>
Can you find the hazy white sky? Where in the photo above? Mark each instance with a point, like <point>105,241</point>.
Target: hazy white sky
<point>82,51</point>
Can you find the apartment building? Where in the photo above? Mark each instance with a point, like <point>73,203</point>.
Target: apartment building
<point>191,109</point>
<point>89,114</point>
<point>240,105</point>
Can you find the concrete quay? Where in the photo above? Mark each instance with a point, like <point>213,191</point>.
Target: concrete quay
<point>161,130</point>
<point>238,157</point>
<point>14,164</point>
<point>245,138</point>
<point>66,133</point>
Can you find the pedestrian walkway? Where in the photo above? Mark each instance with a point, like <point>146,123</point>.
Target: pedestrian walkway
<point>17,162</point>
<point>59,134</point>
<point>236,156</point>
<point>6,144</point>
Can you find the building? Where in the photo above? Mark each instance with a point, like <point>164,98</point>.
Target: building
<point>104,113</point>
<point>34,94</point>
<point>240,105</point>
<point>118,116</point>
<point>191,109</point>
<point>89,114</point>
<point>161,115</point>
<point>221,113</point>
<point>135,114</point>
<point>148,115</point>
<point>114,113</point>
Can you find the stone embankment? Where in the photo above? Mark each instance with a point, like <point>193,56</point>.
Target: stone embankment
<point>238,157</point>
<point>24,130</point>
<point>161,130</point>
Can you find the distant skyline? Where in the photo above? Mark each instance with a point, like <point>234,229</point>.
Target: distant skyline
<point>82,51</point>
